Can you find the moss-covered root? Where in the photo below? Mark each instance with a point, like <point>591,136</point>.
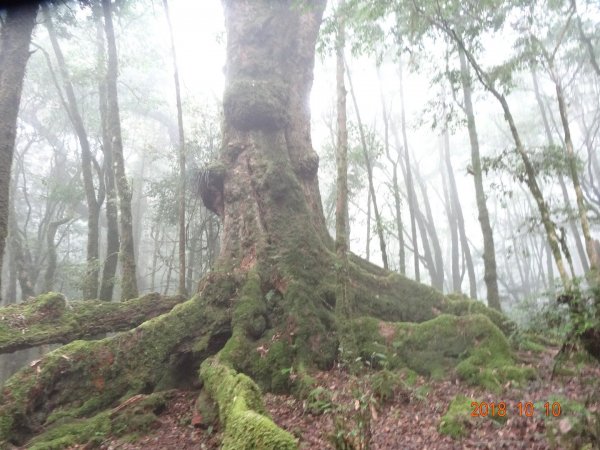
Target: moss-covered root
<point>241,410</point>
<point>83,377</point>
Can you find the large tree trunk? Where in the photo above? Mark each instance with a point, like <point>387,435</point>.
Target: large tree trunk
<point>489,250</point>
<point>126,250</point>
<point>270,303</point>
<point>15,37</point>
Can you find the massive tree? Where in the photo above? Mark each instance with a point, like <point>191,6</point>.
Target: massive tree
<point>15,37</point>
<point>269,304</point>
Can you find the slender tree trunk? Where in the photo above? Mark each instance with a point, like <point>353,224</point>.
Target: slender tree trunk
<point>395,185</point>
<point>590,247</point>
<point>429,222</point>
<point>109,268</point>
<point>489,250</point>
<point>410,188</point>
<point>181,158</point>
<point>369,167</point>
<point>530,178</point>
<point>90,284</point>
<point>191,258</point>
<point>341,156</point>
<point>561,181</point>
<point>458,214</point>
<point>126,250</point>
<point>452,224</point>
<point>15,36</point>
<point>51,249</point>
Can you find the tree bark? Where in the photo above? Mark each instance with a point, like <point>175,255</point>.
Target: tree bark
<point>15,37</point>
<point>489,249</point>
<point>126,250</point>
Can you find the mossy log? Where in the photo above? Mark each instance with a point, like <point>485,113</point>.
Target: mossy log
<point>84,377</point>
<point>49,319</point>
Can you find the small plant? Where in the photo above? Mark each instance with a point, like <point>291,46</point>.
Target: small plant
<point>319,401</point>
<point>386,384</point>
<point>353,424</point>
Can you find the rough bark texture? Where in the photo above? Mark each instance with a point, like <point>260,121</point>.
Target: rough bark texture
<point>489,249</point>
<point>15,37</point>
<point>126,250</point>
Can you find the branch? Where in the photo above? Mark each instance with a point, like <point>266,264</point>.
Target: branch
<point>49,319</point>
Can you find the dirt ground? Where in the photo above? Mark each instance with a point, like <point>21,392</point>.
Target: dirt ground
<point>411,418</point>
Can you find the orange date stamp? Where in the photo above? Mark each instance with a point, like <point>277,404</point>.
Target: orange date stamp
<point>521,409</point>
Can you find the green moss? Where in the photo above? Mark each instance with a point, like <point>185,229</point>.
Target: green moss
<point>250,311</point>
<point>82,431</point>
<point>472,344</point>
<point>241,410</point>
<point>457,420</point>
<point>461,305</point>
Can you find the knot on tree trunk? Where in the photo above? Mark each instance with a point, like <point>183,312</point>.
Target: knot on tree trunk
<point>308,166</point>
<point>210,187</point>
<point>251,104</point>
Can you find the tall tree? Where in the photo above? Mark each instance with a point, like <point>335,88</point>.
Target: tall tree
<point>410,188</point>
<point>181,288</point>
<point>94,202</point>
<point>126,250</point>
<point>369,167</point>
<point>15,37</point>
<point>109,268</point>
<point>489,249</point>
<point>341,156</point>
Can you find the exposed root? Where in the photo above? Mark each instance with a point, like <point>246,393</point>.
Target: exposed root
<point>84,377</point>
<point>241,410</point>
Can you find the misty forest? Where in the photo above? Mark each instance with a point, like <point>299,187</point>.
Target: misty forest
<point>300,224</point>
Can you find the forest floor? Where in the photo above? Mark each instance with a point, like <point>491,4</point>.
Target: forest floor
<point>410,419</point>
